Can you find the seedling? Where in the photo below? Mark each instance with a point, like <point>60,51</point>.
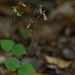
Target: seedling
<point>12,63</point>
<point>7,45</point>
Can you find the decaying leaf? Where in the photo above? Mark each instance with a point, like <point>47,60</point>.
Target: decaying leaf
<point>57,61</point>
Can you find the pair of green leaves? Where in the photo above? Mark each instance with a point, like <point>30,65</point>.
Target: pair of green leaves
<point>13,64</point>
<point>16,49</point>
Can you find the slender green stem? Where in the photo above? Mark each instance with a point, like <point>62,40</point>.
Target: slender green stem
<point>34,31</point>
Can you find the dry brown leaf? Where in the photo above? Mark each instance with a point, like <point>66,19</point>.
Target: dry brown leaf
<point>72,2</point>
<point>57,61</point>
<point>65,8</point>
<point>70,19</point>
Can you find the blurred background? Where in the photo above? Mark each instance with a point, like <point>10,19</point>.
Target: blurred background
<point>53,51</point>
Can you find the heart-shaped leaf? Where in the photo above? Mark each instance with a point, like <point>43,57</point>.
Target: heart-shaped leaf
<point>7,45</point>
<point>26,69</point>
<point>12,63</point>
<point>19,50</point>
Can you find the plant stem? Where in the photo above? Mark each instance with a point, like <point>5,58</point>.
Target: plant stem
<point>13,24</point>
<point>35,27</point>
<point>17,73</point>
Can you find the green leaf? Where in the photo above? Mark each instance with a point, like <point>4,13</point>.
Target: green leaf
<point>21,3</point>
<point>12,64</point>
<point>15,9</point>
<point>19,50</point>
<point>24,5</point>
<point>24,33</point>
<point>18,14</point>
<point>26,68</point>
<point>7,45</point>
<point>28,26</point>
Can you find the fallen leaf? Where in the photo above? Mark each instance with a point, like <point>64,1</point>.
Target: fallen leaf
<point>72,2</point>
<point>69,18</point>
<point>57,61</point>
<point>65,8</point>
